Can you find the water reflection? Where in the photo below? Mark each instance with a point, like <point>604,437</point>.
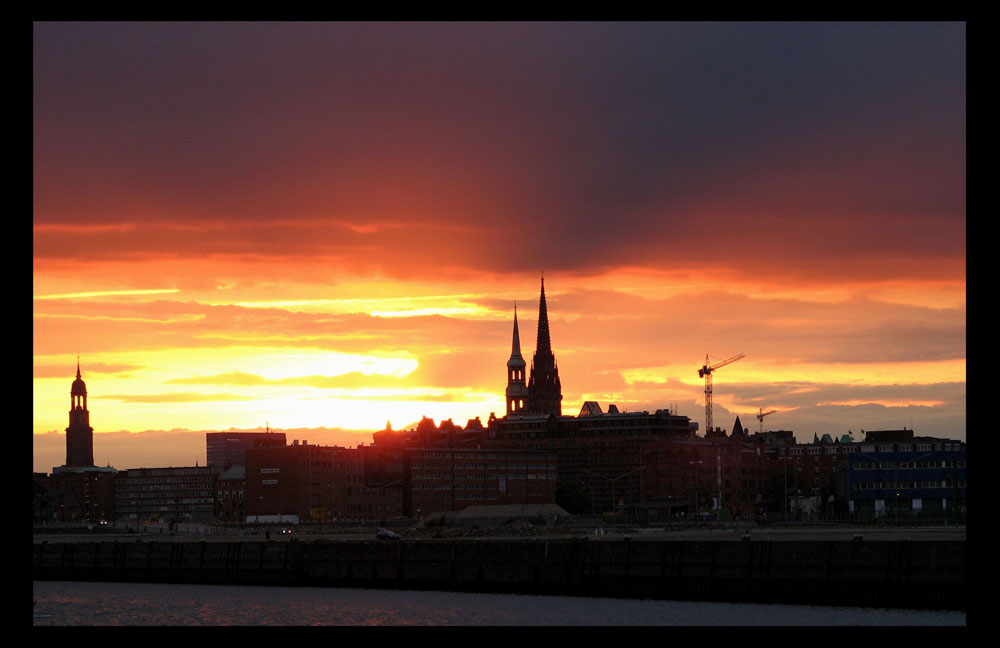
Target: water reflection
<point>140,604</point>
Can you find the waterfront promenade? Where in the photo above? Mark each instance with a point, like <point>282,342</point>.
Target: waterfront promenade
<point>889,573</point>
<point>592,532</point>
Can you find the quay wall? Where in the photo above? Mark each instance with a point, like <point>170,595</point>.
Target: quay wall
<point>902,574</point>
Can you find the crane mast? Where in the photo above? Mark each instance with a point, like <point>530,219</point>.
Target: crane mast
<point>706,373</point>
<point>760,417</point>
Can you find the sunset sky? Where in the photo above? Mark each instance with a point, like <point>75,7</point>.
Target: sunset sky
<point>323,227</point>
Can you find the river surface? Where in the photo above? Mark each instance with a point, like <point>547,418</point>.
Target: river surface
<point>142,604</point>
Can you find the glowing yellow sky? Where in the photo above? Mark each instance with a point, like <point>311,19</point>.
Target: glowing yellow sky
<point>342,362</point>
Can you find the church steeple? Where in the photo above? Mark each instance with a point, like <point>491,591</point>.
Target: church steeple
<point>515,346</point>
<point>517,391</point>
<point>544,388</point>
<point>543,343</point>
<point>78,391</point>
<point>79,434</point>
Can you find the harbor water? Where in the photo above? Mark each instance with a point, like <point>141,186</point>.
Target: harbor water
<point>62,603</point>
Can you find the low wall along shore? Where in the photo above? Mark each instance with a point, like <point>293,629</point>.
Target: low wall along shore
<point>923,574</point>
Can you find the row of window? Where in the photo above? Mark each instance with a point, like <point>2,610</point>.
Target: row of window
<point>457,487</point>
<point>483,477</point>
<point>144,503</point>
<point>146,510</point>
<point>156,488</point>
<point>908,447</point>
<point>816,450</point>
<point>884,465</point>
<point>367,508</point>
<point>882,447</point>
<point>462,456</point>
<point>168,492</point>
<point>430,487</point>
<point>497,466</point>
<point>172,479</point>
<point>903,485</point>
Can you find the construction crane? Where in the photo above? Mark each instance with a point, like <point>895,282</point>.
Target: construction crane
<point>706,373</point>
<point>760,417</point>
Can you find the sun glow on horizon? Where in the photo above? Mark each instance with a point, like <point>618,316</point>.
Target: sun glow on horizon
<point>264,382</point>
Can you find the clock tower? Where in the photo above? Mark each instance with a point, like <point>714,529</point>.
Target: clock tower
<point>79,434</point>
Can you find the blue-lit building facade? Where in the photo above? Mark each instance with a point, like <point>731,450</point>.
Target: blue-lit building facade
<point>896,475</point>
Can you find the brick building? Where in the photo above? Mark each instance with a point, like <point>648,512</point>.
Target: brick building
<point>225,449</point>
<point>451,479</point>
<point>303,482</point>
<point>184,494</point>
<point>597,452</point>
<point>230,495</point>
<point>300,482</point>
<point>801,476</point>
<point>93,488</point>
<point>697,476</point>
<point>376,484</point>
<point>52,503</point>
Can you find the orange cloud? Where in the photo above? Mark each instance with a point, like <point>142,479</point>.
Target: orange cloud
<point>175,397</point>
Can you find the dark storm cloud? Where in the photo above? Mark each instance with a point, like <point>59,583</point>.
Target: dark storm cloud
<point>582,144</point>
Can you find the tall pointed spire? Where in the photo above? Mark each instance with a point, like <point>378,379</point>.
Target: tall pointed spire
<point>544,388</point>
<point>517,391</point>
<point>515,346</point>
<point>543,343</point>
<point>78,391</point>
